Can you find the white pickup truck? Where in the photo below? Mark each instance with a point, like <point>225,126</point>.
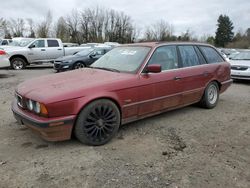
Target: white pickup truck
<point>26,51</point>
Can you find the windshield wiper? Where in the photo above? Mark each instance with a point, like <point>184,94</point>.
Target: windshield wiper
<point>105,68</point>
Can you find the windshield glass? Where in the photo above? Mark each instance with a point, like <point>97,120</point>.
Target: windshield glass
<point>123,59</point>
<point>85,52</point>
<point>242,56</point>
<point>20,42</point>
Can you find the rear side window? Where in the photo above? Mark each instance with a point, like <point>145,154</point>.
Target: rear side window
<point>53,43</point>
<point>211,54</point>
<point>188,56</point>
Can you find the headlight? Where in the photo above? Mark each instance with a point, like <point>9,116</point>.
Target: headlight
<point>30,105</point>
<point>37,107</point>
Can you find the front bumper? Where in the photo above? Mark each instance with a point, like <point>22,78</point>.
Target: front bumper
<point>62,66</point>
<point>50,129</point>
<point>4,62</point>
<point>241,75</point>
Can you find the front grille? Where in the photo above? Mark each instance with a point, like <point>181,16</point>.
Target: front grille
<point>241,68</point>
<point>20,101</point>
<point>57,65</point>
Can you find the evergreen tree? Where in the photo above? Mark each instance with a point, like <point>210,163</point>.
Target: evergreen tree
<point>224,33</point>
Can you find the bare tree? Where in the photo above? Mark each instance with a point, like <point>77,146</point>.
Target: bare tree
<point>61,30</point>
<point>31,28</point>
<point>43,29</point>
<point>160,31</point>
<point>17,27</point>
<point>73,22</point>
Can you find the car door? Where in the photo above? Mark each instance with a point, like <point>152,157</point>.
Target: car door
<point>194,73</point>
<point>161,91</point>
<point>54,50</point>
<point>37,51</point>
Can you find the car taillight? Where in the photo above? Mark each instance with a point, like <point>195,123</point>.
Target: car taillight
<point>2,52</point>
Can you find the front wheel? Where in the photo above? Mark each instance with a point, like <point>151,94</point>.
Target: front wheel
<point>79,65</point>
<point>98,122</point>
<point>18,63</point>
<point>211,96</point>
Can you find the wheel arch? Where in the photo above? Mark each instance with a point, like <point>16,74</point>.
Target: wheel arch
<point>112,99</point>
<point>213,80</point>
<point>84,102</point>
<point>79,61</point>
<point>218,83</point>
<point>19,56</point>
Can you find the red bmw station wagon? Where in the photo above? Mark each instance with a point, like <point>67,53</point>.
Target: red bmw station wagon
<point>130,82</point>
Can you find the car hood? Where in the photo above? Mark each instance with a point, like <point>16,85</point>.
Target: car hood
<point>240,62</point>
<point>11,48</point>
<point>68,85</point>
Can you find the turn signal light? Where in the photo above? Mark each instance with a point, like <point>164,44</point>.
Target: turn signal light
<point>44,111</point>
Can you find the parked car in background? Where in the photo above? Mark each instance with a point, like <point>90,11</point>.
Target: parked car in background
<point>81,59</point>
<point>91,44</point>
<point>128,83</point>
<point>231,56</point>
<point>4,59</point>
<point>228,51</point>
<point>240,65</point>
<point>112,44</point>
<point>70,44</point>
<point>4,42</point>
<point>26,51</point>
<point>224,56</point>
<point>94,45</point>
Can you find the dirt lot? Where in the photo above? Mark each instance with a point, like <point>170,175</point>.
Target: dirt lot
<point>189,147</point>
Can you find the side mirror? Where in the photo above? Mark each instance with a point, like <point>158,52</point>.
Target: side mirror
<point>32,46</point>
<point>92,55</point>
<point>153,68</point>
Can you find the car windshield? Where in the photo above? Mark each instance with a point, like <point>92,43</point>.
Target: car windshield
<point>123,59</point>
<point>21,42</point>
<point>242,56</point>
<point>85,52</point>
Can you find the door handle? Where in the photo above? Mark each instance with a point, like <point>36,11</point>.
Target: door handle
<point>43,50</point>
<point>59,49</point>
<point>177,78</point>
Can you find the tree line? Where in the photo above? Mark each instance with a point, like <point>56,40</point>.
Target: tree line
<point>101,25</point>
<point>89,25</point>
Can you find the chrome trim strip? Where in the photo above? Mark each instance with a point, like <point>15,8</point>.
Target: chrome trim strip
<point>163,97</point>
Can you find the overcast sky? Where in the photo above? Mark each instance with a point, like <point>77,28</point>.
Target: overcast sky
<point>199,16</point>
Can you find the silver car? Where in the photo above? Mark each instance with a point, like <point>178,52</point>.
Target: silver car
<point>4,59</point>
<point>240,66</point>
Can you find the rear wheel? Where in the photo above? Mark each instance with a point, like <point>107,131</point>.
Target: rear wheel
<point>98,122</point>
<point>18,63</point>
<point>211,96</point>
<point>79,65</point>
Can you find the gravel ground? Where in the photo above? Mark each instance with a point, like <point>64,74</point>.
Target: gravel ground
<point>189,147</point>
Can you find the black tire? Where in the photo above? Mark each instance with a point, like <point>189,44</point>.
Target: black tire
<point>18,63</point>
<point>79,65</point>
<point>97,123</point>
<point>210,97</point>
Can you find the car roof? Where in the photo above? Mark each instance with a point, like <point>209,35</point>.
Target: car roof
<point>156,44</point>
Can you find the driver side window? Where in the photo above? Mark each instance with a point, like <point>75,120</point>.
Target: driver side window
<point>38,44</point>
<point>166,56</point>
